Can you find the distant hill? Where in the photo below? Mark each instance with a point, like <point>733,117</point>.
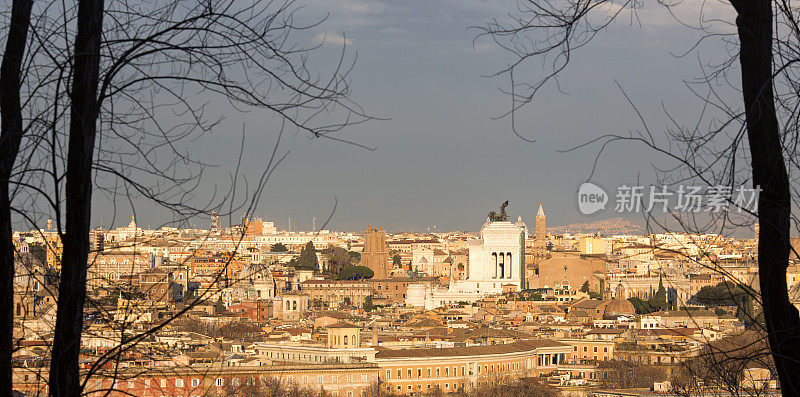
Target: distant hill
<point>603,226</point>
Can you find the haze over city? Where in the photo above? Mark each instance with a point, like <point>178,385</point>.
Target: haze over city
<point>420,66</point>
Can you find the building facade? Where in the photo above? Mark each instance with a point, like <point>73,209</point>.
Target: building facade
<point>376,253</point>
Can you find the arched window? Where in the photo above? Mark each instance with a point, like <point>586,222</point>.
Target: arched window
<point>345,340</point>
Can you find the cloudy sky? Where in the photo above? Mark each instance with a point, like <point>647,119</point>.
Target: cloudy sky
<point>441,159</point>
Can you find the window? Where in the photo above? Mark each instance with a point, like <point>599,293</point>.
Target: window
<point>419,372</point>
<point>446,371</point>
<point>163,383</point>
<point>219,382</point>
<point>130,384</point>
<point>429,372</point>
<point>334,378</point>
<point>595,349</point>
<point>388,374</point>
<point>409,373</point>
<point>178,382</point>
<point>399,374</point>
<point>195,382</point>
<point>147,383</point>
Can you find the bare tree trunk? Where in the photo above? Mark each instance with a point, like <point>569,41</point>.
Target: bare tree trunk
<point>10,138</point>
<point>64,370</point>
<point>754,23</point>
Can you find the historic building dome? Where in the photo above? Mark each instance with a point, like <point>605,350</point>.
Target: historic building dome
<point>619,307</point>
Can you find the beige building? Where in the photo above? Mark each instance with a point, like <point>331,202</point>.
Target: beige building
<point>336,293</point>
<point>594,246</point>
<point>570,270</point>
<point>417,371</point>
<point>343,335</point>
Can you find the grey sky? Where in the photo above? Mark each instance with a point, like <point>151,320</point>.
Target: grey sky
<point>441,160</point>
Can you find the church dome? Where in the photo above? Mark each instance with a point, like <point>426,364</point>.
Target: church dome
<point>619,307</point>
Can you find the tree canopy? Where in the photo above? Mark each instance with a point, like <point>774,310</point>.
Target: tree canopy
<point>723,294</point>
<point>356,273</point>
<point>338,258</point>
<point>278,247</point>
<point>308,258</point>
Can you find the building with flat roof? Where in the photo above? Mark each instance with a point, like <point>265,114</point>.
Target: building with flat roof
<point>418,371</point>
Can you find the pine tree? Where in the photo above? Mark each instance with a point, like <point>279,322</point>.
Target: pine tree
<point>308,257</point>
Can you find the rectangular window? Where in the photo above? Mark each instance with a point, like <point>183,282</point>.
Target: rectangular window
<point>163,383</point>
<point>219,382</point>
<point>195,382</point>
<point>409,373</point>
<point>388,374</point>
<point>178,382</point>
